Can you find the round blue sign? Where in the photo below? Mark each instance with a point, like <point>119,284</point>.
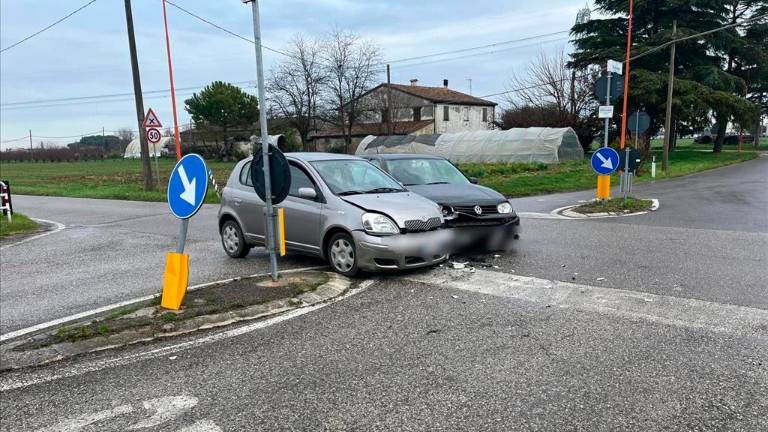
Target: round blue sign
<point>187,186</point>
<point>605,160</point>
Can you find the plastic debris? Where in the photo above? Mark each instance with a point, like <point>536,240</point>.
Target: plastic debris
<point>600,279</point>
<point>458,265</point>
<point>454,296</point>
<point>497,256</point>
<point>173,357</point>
<point>471,269</point>
<point>497,267</point>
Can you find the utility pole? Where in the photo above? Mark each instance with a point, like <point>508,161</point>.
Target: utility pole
<point>389,102</point>
<point>270,219</point>
<point>145,163</point>
<point>670,90</point>
<point>103,142</point>
<point>470,86</point>
<point>626,74</point>
<point>31,151</point>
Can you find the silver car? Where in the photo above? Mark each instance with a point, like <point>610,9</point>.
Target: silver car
<point>341,208</point>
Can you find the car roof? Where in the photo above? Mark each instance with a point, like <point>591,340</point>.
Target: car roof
<point>317,156</point>
<point>395,156</point>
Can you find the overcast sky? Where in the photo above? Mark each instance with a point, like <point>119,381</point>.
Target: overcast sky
<point>87,54</point>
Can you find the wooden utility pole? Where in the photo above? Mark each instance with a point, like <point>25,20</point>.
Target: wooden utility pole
<point>670,90</point>
<point>389,103</point>
<point>145,162</point>
<point>31,151</point>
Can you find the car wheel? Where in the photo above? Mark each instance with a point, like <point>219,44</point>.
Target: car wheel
<point>233,241</point>
<point>342,255</point>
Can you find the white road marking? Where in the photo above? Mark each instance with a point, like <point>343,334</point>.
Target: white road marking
<point>21,379</point>
<point>85,314</point>
<point>166,409</point>
<point>58,226</point>
<point>676,311</point>
<point>84,420</point>
<point>202,426</point>
<point>534,215</point>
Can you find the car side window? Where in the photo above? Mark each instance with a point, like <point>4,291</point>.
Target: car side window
<point>375,162</point>
<point>300,179</point>
<point>245,175</point>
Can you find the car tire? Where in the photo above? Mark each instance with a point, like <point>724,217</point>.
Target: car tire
<point>233,240</point>
<point>342,255</point>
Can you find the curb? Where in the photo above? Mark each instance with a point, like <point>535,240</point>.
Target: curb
<point>566,212</point>
<point>11,359</point>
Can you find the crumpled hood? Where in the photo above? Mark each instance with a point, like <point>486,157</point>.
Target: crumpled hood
<point>400,206</point>
<point>458,194</point>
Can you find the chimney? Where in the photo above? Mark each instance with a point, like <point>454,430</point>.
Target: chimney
<point>445,83</point>
<point>414,82</point>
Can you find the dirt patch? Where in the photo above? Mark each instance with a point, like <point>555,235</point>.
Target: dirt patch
<point>150,319</point>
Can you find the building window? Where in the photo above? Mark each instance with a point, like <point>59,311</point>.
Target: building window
<point>385,116</point>
<point>417,114</point>
<point>466,114</point>
<point>485,114</point>
<point>446,115</point>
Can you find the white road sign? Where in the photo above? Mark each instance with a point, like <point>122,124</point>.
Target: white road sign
<point>606,111</point>
<point>615,67</point>
<point>153,135</point>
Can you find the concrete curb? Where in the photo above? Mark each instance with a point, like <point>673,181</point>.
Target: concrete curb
<point>11,359</point>
<point>568,213</point>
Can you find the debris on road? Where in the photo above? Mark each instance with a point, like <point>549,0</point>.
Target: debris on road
<point>600,279</point>
<point>457,265</point>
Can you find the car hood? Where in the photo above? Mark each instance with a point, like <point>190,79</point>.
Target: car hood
<point>458,194</point>
<point>400,206</point>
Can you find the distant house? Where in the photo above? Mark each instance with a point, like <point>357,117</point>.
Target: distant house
<point>415,110</point>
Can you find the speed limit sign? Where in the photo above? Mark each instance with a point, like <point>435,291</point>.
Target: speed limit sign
<point>153,135</point>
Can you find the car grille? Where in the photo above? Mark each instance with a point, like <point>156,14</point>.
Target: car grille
<point>487,209</point>
<point>420,225</point>
<point>476,222</point>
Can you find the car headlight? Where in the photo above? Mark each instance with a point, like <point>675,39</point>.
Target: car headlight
<point>377,223</point>
<point>504,208</point>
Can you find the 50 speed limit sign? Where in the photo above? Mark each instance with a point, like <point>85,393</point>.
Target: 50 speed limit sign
<point>153,135</point>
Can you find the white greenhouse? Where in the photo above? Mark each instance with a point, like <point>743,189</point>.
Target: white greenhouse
<point>547,145</point>
<point>133,149</point>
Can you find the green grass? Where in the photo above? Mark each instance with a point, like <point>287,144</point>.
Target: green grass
<point>108,179</point>
<point>688,144</point>
<point>519,180</point>
<point>616,205</point>
<point>20,225</point>
<point>122,179</point>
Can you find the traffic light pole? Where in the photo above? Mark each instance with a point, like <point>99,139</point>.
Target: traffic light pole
<point>270,212</point>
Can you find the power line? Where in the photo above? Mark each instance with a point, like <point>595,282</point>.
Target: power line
<point>48,27</point>
<point>225,30</point>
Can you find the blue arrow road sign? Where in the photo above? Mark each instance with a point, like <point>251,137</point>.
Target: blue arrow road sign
<point>187,186</point>
<point>605,160</point>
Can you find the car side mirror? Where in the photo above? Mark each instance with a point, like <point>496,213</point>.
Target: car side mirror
<point>473,180</point>
<point>308,193</point>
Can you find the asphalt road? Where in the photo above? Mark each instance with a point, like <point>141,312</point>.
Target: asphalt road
<point>674,338</point>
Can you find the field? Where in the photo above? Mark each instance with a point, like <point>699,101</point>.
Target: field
<point>122,179</point>
<point>688,144</point>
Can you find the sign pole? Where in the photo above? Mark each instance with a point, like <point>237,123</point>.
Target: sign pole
<point>270,216</point>
<point>604,181</point>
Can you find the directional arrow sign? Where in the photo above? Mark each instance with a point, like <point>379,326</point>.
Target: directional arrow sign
<point>187,186</point>
<point>605,160</point>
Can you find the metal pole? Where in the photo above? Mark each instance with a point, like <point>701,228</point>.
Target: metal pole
<point>182,240</point>
<point>270,216</point>
<point>389,103</point>
<point>637,126</point>
<point>607,102</point>
<point>626,75</point>
<point>670,90</point>
<point>146,169</point>
<point>31,150</point>
<point>625,175</point>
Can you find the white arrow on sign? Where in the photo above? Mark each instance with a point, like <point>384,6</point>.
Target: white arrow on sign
<point>607,163</point>
<point>189,187</point>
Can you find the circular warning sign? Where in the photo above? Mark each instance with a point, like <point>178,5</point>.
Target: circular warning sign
<point>153,135</point>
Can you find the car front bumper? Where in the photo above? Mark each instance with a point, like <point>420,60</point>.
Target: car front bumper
<point>490,237</point>
<point>403,251</point>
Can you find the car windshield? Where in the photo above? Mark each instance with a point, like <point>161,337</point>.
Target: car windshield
<point>350,177</point>
<point>411,172</point>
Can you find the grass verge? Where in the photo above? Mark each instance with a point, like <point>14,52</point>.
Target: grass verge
<point>20,225</point>
<point>520,179</point>
<point>616,205</point>
<point>210,300</point>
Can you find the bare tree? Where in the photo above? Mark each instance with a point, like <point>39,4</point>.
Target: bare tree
<point>296,85</point>
<point>555,94</point>
<point>126,135</point>
<point>351,67</point>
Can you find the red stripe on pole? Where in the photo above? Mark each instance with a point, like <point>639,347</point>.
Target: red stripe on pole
<point>626,75</point>
<point>176,134</point>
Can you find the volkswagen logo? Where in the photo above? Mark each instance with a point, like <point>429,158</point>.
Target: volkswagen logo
<point>478,209</point>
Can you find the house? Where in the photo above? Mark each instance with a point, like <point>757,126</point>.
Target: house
<point>415,110</point>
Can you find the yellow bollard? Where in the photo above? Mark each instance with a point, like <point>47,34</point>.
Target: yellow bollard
<point>281,229</point>
<point>603,187</point>
<point>175,280</point>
